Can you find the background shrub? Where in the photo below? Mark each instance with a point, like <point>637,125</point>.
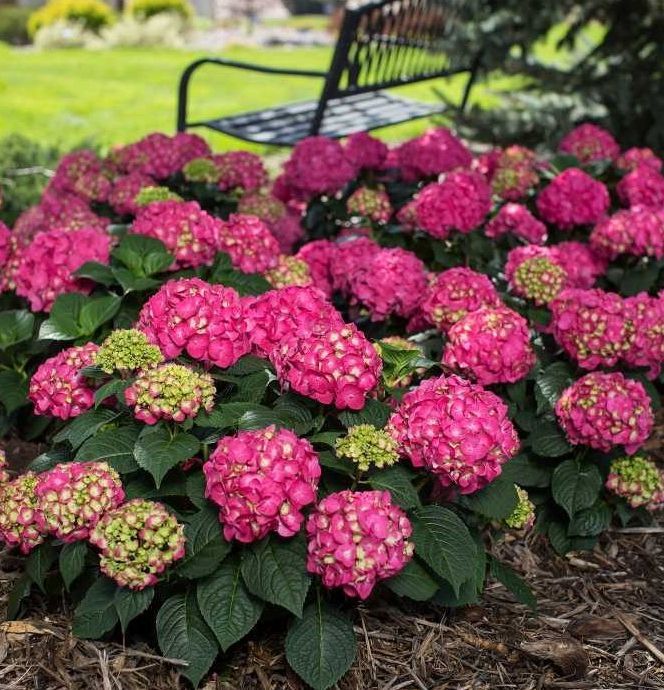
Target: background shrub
<point>144,9</point>
<point>165,29</point>
<point>91,14</point>
<point>14,25</point>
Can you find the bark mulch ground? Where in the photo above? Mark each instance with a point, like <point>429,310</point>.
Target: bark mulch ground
<point>600,625</point>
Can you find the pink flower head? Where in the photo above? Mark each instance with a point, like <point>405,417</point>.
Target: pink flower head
<point>171,392</point>
<point>289,271</point>
<point>240,170</point>
<point>456,292</point>
<point>249,243</point>
<point>592,326</point>
<point>635,158</point>
<point>582,265</point>
<point>261,480</point>
<point>20,526</point>
<point>642,187</point>
<point>606,410</point>
<point>58,387</point>
<point>316,166</point>
<point>81,173</point>
<point>515,173</point>
<point>5,244</point>
<point>320,256</point>
<point>390,282</point>
<point>356,539</point>
<point>537,276</point>
<point>407,216</point>
<point>278,314</point>
<point>491,345</point>
<point>4,474</point>
<point>205,321</point>
<point>647,348</point>
<point>125,189</point>
<point>333,365</point>
<point>590,143</point>
<point>573,198</point>
<point>457,430</point>
<point>188,232</point>
<point>264,206</point>
<point>47,265</point>
<point>434,152</point>
<point>74,495</point>
<point>187,146</point>
<point>460,202</point>
<point>350,253</point>
<point>365,152</point>
<point>12,263</point>
<point>287,231</point>
<point>517,220</point>
<point>639,481</point>
<point>638,231</point>
<point>373,204</point>
<point>138,541</point>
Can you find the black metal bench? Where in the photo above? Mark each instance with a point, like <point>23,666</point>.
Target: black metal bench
<point>381,45</point>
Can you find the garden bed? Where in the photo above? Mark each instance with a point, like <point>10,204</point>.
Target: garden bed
<point>584,603</point>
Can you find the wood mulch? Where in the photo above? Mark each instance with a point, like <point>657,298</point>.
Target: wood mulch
<point>600,626</point>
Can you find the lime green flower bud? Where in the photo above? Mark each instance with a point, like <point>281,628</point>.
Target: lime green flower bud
<point>368,447</point>
<point>638,480</point>
<point>148,195</point>
<point>201,170</point>
<point>523,515</point>
<point>127,350</point>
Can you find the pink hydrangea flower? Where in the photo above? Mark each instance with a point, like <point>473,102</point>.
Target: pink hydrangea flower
<point>590,143</point>
<point>58,387</point>
<point>638,231</point>
<point>4,473</point>
<point>350,253</point>
<point>460,202</point>
<point>261,480</point>
<point>455,429</point>
<point>642,187</point>
<point>74,495</point>
<point>456,292</point>
<point>249,243</point>
<point>288,231</point>
<point>373,204</point>
<point>320,255</point>
<point>5,244</point>
<point>647,348</point>
<point>19,525</point>
<point>513,173</point>
<point>188,232</point>
<point>492,345</point>
<point>316,166</point>
<point>205,321</point>
<point>81,173</point>
<point>635,158</point>
<point>434,152</point>
<point>639,481</point>
<point>573,198</point>
<point>356,539</point>
<point>336,365</point>
<point>537,276</point>
<point>169,391</point>
<point>123,194</point>
<point>592,326</point>
<point>363,151</point>
<point>48,263</point>
<point>606,410</point>
<point>277,314</point>
<point>517,220</point>
<point>241,170</point>
<point>389,283</point>
<point>264,206</point>
<point>407,216</point>
<point>12,263</point>
<point>582,265</point>
<point>289,271</point>
<point>138,541</point>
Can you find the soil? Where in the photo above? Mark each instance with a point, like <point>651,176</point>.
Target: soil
<point>20,453</point>
<point>600,626</point>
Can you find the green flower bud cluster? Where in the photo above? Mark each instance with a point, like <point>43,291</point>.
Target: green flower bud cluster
<point>201,170</point>
<point>540,279</point>
<point>148,195</point>
<point>523,515</point>
<point>367,447</point>
<point>127,350</point>
<point>638,480</point>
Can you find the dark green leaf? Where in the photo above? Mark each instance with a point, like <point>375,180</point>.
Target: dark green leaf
<point>142,255</point>
<point>442,540</point>
<point>196,489</point>
<point>552,381</point>
<point>326,438</point>
<point>114,446</point>
<point>113,388</point>
<point>72,561</point>
<point>332,462</point>
<point>49,459</point>
<point>96,613</point>
<point>97,311</point>
<point>39,562</point>
<point>15,327</point>
<point>88,424</point>
<point>17,595</point>
<point>228,607</point>
<point>100,273</point>
<point>183,634</point>
<point>527,471</point>
<point>557,533</point>
<point>414,582</point>
<point>131,283</point>
<point>575,485</point>
<point>251,388</point>
<point>496,501</point>
<point>249,364</point>
<point>275,570</point>
<point>205,546</point>
<point>13,390</point>
<point>64,320</point>
<point>516,584</point>
<point>590,522</point>
<point>321,646</point>
<point>398,481</point>
<point>157,452</point>
<point>549,441</point>
<point>639,279</point>
<point>374,412</point>
<point>129,604</point>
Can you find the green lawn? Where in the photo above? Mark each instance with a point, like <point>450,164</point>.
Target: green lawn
<point>68,96</point>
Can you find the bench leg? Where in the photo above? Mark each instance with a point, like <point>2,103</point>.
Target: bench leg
<point>183,95</point>
<point>469,84</point>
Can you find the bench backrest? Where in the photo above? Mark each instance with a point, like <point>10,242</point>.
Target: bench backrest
<point>394,42</point>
